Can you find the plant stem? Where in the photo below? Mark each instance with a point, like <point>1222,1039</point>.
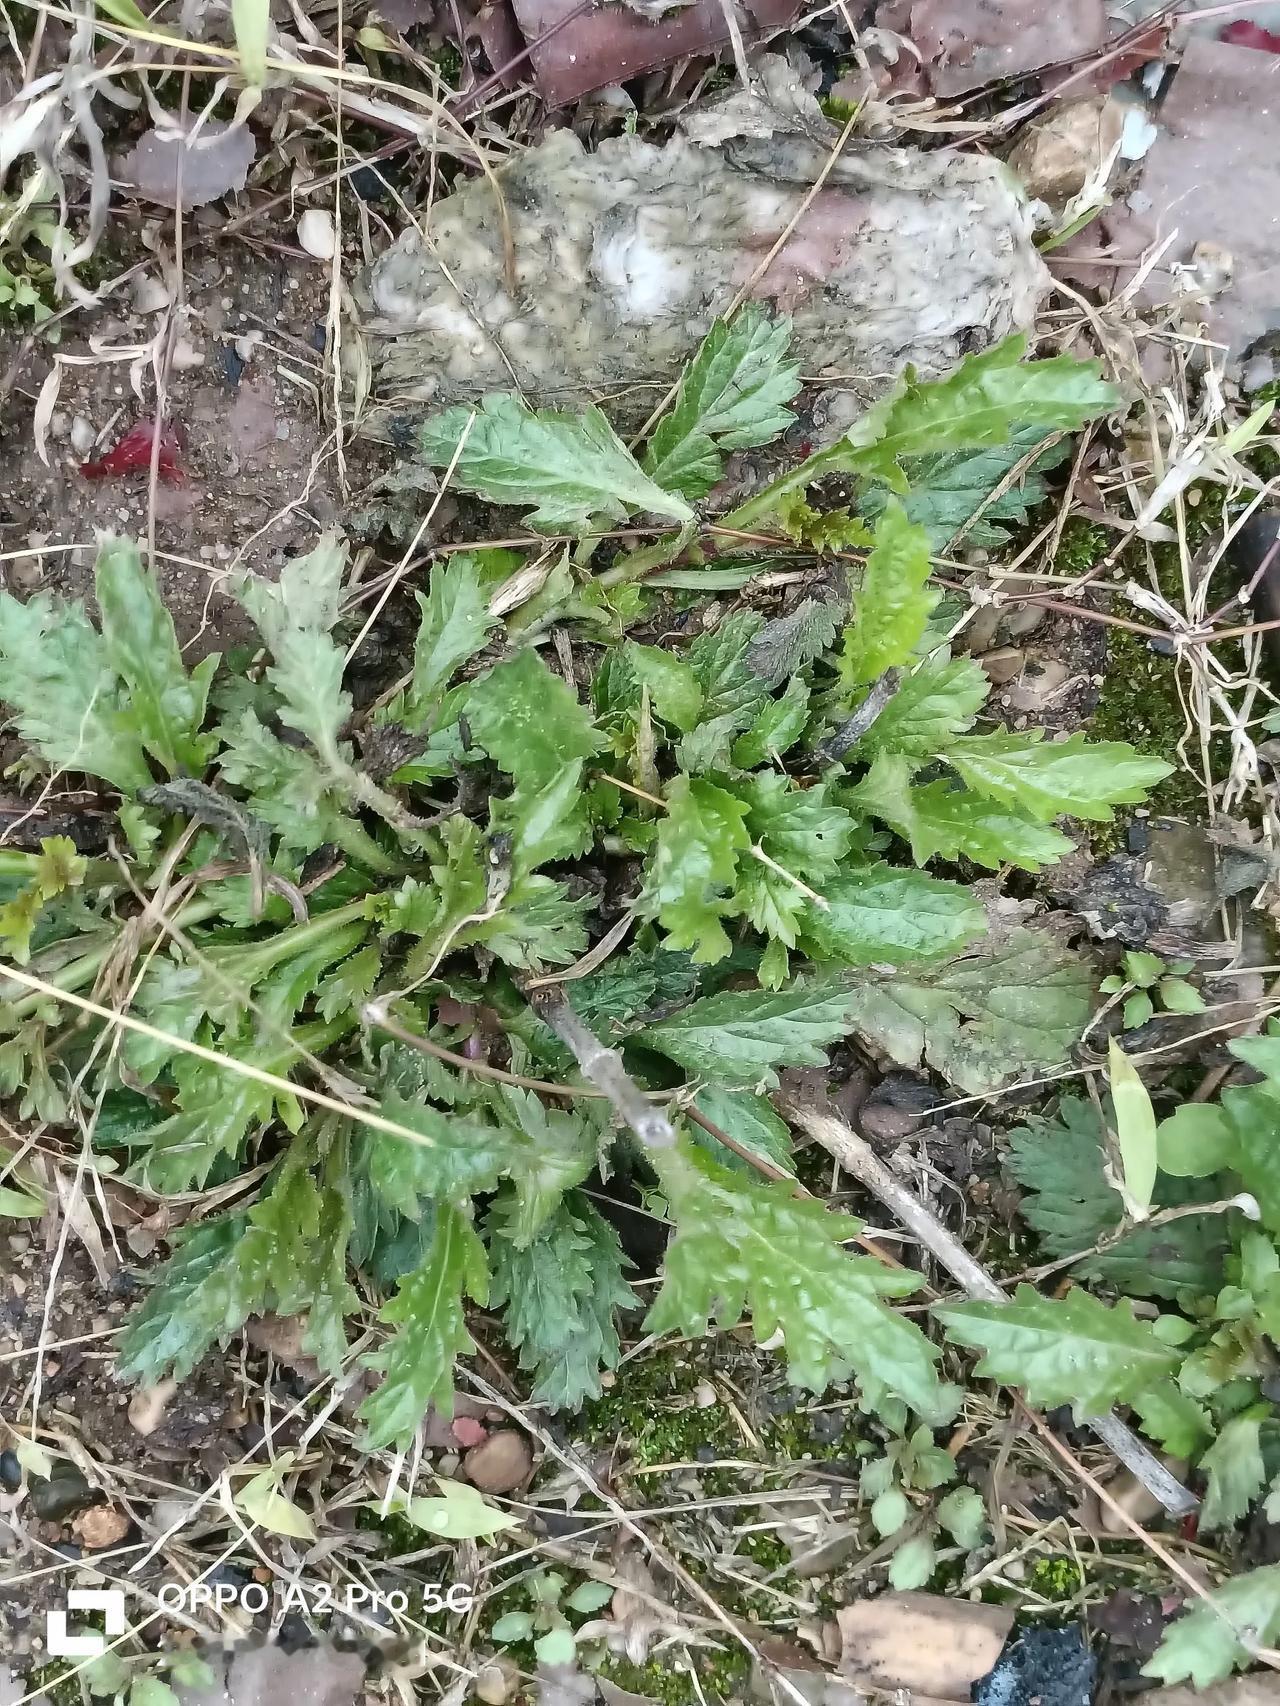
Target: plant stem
<point>857,1157</point>
<point>356,842</point>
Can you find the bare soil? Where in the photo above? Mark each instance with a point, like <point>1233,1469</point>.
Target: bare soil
<point>261,468</point>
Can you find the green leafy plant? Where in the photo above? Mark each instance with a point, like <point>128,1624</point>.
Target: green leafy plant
<point>1198,1375</point>
<point>900,1485</point>
<point>546,1624</point>
<point>1147,983</point>
<point>365,911</point>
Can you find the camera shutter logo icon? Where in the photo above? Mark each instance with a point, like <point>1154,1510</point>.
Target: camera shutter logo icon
<point>109,1601</point>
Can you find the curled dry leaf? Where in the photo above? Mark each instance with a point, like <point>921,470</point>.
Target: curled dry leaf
<point>170,162</point>
<point>923,1642</point>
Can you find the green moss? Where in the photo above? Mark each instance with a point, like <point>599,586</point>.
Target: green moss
<point>1056,1578</point>
<point>650,1408</point>
<point>1083,545</point>
<point>58,1681</point>
<point>722,1673</point>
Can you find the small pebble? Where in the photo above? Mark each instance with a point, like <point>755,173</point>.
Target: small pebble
<point>82,436</point>
<point>149,295</point>
<point>316,233</point>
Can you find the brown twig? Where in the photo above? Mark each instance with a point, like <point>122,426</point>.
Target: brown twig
<point>857,1157</point>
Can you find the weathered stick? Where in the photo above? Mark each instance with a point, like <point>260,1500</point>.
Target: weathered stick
<point>857,1158</point>
<point>602,1067</point>
<point>838,742</point>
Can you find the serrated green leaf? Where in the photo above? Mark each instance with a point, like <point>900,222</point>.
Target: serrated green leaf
<point>935,703</point>
<point>736,1039</point>
<point>294,615</point>
<point>1212,1639</point>
<point>544,823</point>
<point>166,706</point>
<point>964,1515</point>
<point>1055,778</point>
<point>1062,1350</point>
<point>560,1292</point>
<point>1059,1164</point>
<point>632,983</point>
<point>453,626</point>
<point>721,663</point>
<point>743,1245</point>
<point>731,397</point>
<point>1071,1206</point>
<point>69,703</point>
<point>880,915</point>
<point>945,491</point>
<point>786,644</point>
<point>349,985</point>
<point>556,1149</point>
<point>286,788</point>
<point>673,686</point>
<point>748,1118</point>
<point>538,926</point>
<point>947,822</point>
<point>982,402</point>
<point>1135,1130</point>
<point>892,605</point>
<point>427,1309</point>
<point>203,1293</point>
<point>694,866</point>
<point>529,721</point>
<point>1235,1470</point>
<point>573,467</point>
<point>1173,1420</point>
<point>778,725</point>
<point>463,1155</point>
<point>982,1017</point>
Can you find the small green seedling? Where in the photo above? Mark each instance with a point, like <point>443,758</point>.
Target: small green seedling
<point>1149,984</point>
<point>555,1640</point>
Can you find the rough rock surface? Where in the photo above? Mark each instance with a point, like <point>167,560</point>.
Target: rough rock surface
<point>619,262</point>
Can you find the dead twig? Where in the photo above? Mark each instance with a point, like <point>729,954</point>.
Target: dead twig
<point>857,1158</point>
<point>850,732</point>
<point>602,1067</point>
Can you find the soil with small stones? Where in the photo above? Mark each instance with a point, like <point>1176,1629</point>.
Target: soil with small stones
<point>261,471</point>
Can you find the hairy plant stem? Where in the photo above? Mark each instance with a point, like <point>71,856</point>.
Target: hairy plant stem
<point>79,972</point>
<point>857,1157</point>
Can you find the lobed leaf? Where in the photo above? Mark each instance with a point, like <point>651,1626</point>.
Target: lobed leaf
<point>559,1292</point>
<point>572,467</point>
<point>427,1311</point>
<point>892,605</point>
<point>738,1038</point>
<point>1062,1350</point>
<point>742,1246</point>
<point>166,706</point>
<point>983,1017</point>
<point>942,821</point>
<point>1055,778</point>
<point>731,397</point>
